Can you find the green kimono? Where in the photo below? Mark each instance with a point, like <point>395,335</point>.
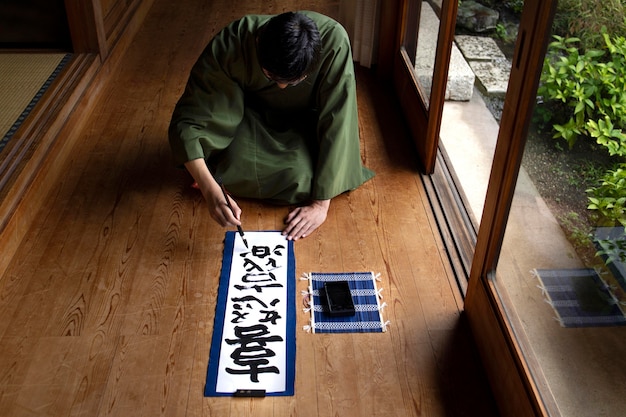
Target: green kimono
<point>284,145</point>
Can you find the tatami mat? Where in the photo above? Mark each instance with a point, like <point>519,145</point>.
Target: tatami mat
<point>22,76</point>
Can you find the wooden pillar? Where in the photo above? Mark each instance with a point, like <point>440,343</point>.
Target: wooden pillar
<point>389,37</point>
<point>87,27</point>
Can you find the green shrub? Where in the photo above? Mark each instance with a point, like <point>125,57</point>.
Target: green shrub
<point>585,94</point>
<point>592,87</point>
<point>609,198</point>
<point>584,19</point>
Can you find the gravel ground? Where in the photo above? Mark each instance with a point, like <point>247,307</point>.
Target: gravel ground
<point>561,176</point>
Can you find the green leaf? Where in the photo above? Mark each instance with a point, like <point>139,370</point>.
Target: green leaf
<point>580,107</point>
<point>594,53</point>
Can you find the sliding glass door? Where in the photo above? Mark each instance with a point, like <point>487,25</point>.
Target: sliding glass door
<point>507,237</point>
<point>549,256</point>
<point>420,74</point>
<point>544,278</point>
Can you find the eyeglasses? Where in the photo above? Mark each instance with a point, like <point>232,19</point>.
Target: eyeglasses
<point>283,83</point>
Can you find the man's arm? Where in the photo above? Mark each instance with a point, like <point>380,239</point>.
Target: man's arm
<point>212,193</point>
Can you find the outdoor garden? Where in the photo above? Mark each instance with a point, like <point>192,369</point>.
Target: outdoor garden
<point>576,148</point>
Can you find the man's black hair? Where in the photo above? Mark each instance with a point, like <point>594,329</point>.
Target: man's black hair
<point>288,46</point>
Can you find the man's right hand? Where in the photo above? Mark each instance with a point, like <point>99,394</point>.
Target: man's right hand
<point>213,195</point>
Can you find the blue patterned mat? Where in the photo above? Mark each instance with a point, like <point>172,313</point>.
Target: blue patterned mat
<point>366,297</point>
<point>580,298</point>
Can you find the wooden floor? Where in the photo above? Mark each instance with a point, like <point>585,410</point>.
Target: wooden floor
<point>107,310</point>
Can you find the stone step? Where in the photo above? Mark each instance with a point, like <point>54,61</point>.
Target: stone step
<point>461,78</point>
<point>474,59</point>
<point>488,63</point>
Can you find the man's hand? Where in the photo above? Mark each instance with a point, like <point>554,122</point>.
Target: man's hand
<point>213,195</point>
<point>219,210</point>
<point>302,221</point>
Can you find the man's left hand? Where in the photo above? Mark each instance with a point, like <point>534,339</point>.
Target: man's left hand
<point>302,221</point>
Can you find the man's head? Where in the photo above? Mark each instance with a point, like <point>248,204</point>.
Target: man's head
<point>288,46</point>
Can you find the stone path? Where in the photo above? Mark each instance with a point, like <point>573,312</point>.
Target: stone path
<point>488,63</point>
<point>460,76</point>
<point>474,60</point>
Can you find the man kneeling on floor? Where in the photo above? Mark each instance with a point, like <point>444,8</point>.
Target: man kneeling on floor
<point>270,109</point>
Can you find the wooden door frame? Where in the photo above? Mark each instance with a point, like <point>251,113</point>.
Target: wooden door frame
<point>516,377</point>
<point>423,114</point>
<point>87,27</point>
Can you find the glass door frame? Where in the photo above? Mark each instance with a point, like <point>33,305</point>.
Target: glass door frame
<point>423,113</point>
<point>506,354</point>
<point>515,376</point>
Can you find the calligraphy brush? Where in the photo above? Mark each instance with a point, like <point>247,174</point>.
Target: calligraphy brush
<point>239,229</point>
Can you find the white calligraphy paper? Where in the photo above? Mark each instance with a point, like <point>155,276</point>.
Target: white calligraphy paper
<point>254,343</point>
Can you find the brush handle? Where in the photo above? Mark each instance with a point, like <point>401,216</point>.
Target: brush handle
<point>239,229</point>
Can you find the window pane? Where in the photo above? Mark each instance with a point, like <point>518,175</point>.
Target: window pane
<point>565,302</point>
<point>568,300</point>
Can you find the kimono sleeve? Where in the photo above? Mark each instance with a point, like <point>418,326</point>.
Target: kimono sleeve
<point>339,167</point>
<point>211,108</point>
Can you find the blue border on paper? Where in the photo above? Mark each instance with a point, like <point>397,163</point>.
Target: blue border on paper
<point>220,316</point>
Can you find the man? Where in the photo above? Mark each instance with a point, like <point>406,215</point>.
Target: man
<point>270,110</point>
